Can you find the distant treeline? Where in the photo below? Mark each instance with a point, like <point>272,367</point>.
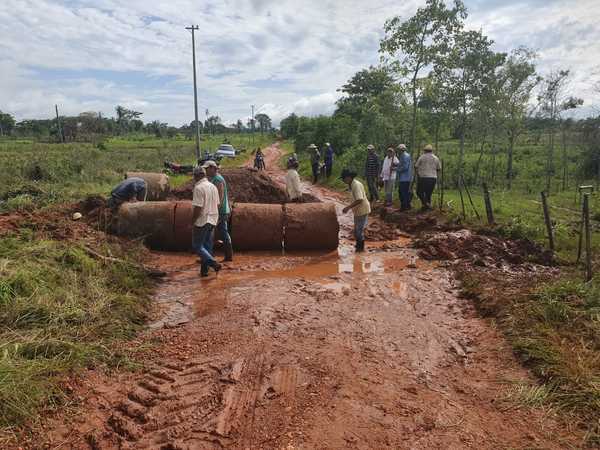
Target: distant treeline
<point>93,127</point>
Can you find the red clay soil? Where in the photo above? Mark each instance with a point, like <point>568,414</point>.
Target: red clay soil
<point>245,185</point>
<point>481,250</point>
<point>310,351</point>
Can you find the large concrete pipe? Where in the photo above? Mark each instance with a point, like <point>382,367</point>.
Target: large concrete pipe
<point>152,220</point>
<point>257,227</point>
<point>311,226</point>
<point>158,186</point>
<point>182,226</point>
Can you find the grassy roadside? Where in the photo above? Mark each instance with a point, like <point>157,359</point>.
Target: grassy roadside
<point>553,326</point>
<point>62,310</point>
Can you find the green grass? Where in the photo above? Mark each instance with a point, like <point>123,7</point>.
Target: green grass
<point>61,310</point>
<point>555,329</point>
<point>35,174</point>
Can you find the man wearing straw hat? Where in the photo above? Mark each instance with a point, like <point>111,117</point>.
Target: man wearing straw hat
<point>427,167</point>
<point>315,162</point>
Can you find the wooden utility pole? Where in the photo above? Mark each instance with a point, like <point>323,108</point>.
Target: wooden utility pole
<point>60,132</point>
<point>588,238</point>
<point>548,221</point>
<point>193,28</point>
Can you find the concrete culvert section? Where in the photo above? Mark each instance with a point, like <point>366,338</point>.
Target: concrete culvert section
<point>152,220</point>
<point>158,186</point>
<point>311,226</point>
<point>257,226</point>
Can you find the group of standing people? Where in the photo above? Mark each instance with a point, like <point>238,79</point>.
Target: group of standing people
<point>398,168</point>
<point>395,168</point>
<point>319,169</point>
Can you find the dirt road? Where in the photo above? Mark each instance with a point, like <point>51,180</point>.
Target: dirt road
<point>312,351</point>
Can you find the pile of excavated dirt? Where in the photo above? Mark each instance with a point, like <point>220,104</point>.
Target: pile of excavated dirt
<point>417,223</point>
<point>481,250</point>
<point>379,231</point>
<point>245,185</point>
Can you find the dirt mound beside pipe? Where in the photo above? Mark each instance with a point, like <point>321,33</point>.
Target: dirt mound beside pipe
<point>311,226</point>
<point>246,185</point>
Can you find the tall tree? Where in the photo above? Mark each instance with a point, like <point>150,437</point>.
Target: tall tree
<point>289,126</point>
<point>7,123</point>
<point>361,88</point>
<point>412,46</point>
<point>465,76</point>
<point>553,102</point>
<point>517,80</point>
<point>124,116</point>
<point>264,122</point>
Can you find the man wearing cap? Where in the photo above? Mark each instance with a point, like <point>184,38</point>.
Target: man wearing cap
<point>328,159</point>
<point>372,173</point>
<point>388,174</point>
<point>427,167</point>
<point>315,160</point>
<point>129,190</point>
<point>212,172</point>
<point>360,206</point>
<point>404,176</point>
<point>205,216</point>
<point>292,181</point>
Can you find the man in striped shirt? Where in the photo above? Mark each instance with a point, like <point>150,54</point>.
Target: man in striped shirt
<point>372,169</point>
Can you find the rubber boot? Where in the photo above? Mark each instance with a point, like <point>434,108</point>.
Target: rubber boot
<point>228,249</point>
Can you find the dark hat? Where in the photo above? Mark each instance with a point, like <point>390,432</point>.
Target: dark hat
<point>347,173</point>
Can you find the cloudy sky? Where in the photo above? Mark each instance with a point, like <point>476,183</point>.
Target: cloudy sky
<point>281,55</point>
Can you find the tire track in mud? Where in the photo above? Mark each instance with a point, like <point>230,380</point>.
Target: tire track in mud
<point>203,404</point>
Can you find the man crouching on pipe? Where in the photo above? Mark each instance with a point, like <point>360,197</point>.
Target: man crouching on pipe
<point>205,216</point>
<point>360,206</point>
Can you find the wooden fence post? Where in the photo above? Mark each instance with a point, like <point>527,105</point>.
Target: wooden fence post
<point>548,221</point>
<point>442,185</point>
<point>462,200</point>
<point>488,205</point>
<point>470,199</point>
<point>588,238</point>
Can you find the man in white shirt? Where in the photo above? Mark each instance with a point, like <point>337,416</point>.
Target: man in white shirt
<point>388,175</point>
<point>205,216</point>
<point>427,167</point>
<point>292,181</point>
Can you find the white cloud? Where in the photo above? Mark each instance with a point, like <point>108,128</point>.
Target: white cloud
<point>285,55</point>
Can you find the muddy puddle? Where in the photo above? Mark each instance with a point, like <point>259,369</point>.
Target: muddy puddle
<point>185,296</point>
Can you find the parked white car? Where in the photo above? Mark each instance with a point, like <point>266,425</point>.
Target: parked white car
<point>226,151</point>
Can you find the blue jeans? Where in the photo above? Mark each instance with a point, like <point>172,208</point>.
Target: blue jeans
<point>360,223</point>
<point>223,229</point>
<point>405,194</point>
<point>202,243</point>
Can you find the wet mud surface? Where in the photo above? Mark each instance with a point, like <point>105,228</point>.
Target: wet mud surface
<point>311,351</point>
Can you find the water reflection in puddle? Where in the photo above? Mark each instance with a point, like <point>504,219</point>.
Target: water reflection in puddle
<point>187,295</point>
